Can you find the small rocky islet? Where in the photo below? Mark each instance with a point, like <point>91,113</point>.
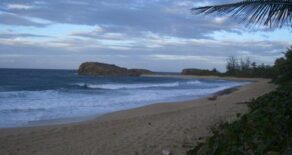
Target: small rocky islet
<point>97,68</point>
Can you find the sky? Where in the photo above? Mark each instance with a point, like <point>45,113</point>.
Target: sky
<point>160,35</point>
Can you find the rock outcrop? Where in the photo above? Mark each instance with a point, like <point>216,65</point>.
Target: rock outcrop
<point>138,72</point>
<point>96,68</point>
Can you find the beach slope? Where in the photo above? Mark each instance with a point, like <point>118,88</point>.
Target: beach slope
<point>148,130</point>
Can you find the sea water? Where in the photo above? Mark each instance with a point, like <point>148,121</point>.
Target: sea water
<point>28,95</point>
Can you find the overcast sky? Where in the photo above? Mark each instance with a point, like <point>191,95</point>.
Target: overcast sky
<point>161,35</point>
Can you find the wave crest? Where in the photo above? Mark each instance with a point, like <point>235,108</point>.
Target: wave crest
<point>128,86</point>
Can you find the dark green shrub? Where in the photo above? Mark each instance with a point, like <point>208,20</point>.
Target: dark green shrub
<point>266,128</point>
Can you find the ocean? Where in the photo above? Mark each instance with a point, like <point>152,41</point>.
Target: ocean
<point>28,96</point>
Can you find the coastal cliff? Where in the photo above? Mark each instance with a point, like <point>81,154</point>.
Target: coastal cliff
<point>96,68</point>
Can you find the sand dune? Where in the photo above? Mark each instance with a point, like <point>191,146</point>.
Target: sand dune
<point>142,131</point>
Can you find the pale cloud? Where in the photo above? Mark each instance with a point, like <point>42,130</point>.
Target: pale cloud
<point>19,6</point>
<point>96,30</point>
<point>219,60</point>
<point>115,36</point>
<point>13,35</point>
<point>202,3</point>
<point>220,20</point>
<point>14,41</point>
<point>11,55</point>
<point>76,2</point>
<point>13,19</point>
<point>155,34</point>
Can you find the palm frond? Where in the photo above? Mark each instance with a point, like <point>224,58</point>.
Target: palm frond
<point>273,13</point>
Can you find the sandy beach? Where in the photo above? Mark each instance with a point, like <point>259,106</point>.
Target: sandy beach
<point>146,130</point>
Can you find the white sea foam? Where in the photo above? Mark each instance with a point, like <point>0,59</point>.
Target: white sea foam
<point>136,86</point>
<point>17,108</point>
<point>194,82</point>
<point>127,86</point>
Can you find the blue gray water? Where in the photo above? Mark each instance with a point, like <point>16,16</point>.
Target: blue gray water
<point>28,96</point>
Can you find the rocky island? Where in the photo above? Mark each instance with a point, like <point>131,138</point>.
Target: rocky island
<point>97,68</point>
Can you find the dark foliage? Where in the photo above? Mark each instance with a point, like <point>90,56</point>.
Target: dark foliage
<point>265,129</point>
<point>200,72</point>
<point>283,67</point>
<point>272,13</point>
<point>245,68</point>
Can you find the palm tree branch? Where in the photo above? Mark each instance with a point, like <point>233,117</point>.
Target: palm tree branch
<point>266,12</point>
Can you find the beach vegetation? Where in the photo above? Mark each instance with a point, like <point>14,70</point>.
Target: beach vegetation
<point>283,67</point>
<point>201,72</point>
<point>244,67</point>
<point>265,129</point>
<point>240,67</point>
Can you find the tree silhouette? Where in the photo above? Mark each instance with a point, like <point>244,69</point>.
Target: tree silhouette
<point>272,13</point>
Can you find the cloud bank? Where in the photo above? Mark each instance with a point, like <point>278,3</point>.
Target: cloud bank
<point>161,35</point>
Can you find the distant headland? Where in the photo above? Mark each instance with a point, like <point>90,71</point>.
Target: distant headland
<point>97,68</point>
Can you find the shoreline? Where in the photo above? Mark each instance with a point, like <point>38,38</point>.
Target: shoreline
<point>76,120</point>
<point>146,130</point>
<point>231,78</point>
<point>161,106</point>
<point>102,117</point>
